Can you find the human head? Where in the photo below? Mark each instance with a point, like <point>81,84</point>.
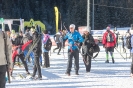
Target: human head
<point>13,31</point>
<point>72,27</point>
<point>27,30</point>
<point>45,32</point>
<point>108,29</point>
<point>32,30</point>
<point>86,31</point>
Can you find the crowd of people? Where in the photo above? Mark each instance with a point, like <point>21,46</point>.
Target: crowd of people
<point>33,44</point>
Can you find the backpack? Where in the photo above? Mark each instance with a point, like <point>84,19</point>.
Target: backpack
<point>110,37</point>
<point>128,42</point>
<point>48,44</point>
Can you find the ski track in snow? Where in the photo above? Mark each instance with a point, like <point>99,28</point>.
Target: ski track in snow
<point>102,75</point>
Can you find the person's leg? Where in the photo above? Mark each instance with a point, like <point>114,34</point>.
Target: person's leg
<point>56,47</point>
<point>25,53</point>
<point>32,57</point>
<point>76,61</point>
<point>111,53</point>
<point>107,56</point>
<point>112,56</point>
<point>132,65</point>
<point>89,63</point>
<point>69,63</point>
<point>85,60</point>
<point>38,66</point>
<point>12,67</point>
<point>59,45</point>
<point>34,69</point>
<point>2,76</point>
<point>47,62</point>
<point>21,56</point>
<point>40,60</point>
<point>45,59</point>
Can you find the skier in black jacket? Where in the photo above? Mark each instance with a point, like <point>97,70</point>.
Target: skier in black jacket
<point>87,50</point>
<point>37,53</point>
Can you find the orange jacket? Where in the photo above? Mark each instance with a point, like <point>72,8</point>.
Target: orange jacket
<point>104,40</point>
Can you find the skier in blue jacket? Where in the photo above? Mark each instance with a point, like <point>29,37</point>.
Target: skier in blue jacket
<point>74,40</point>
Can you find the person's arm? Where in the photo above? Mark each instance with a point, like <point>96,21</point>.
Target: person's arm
<point>65,37</point>
<point>80,38</point>
<point>104,39</point>
<point>92,41</point>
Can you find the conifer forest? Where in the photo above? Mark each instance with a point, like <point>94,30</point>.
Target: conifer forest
<point>117,13</point>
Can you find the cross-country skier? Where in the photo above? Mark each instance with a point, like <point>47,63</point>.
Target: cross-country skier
<point>74,38</point>
<point>87,51</point>
<point>46,46</point>
<point>37,53</point>
<point>109,42</point>
<point>58,40</point>
<point>17,51</point>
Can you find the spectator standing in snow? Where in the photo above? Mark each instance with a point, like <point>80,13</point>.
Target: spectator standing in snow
<point>4,49</point>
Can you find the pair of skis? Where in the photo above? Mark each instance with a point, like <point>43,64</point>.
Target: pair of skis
<point>32,47</point>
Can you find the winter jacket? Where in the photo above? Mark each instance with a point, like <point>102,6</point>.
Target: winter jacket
<point>2,50</point>
<point>18,41</point>
<point>104,40</point>
<point>25,39</point>
<point>58,37</point>
<point>87,43</point>
<point>73,38</point>
<point>132,43</point>
<point>44,40</point>
<point>37,48</point>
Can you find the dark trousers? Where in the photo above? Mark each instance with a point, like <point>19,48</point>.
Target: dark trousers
<point>46,59</point>
<point>75,54</point>
<point>63,44</point>
<point>132,64</point>
<point>36,66</point>
<point>58,47</point>
<point>2,76</point>
<point>21,56</point>
<point>87,61</point>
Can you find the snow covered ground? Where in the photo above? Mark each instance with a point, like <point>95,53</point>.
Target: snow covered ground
<point>102,75</point>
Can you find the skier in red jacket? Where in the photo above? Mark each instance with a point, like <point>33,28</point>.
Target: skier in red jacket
<point>109,42</point>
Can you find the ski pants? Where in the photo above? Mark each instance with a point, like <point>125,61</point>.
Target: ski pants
<point>59,45</point>
<point>46,59</point>
<point>2,76</point>
<point>36,67</point>
<point>132,64</point>
<point>71,54</point>
<point>87,61</point>
<point>21,56</point>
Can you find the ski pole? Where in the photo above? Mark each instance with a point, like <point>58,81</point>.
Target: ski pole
<point>120,54</point>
